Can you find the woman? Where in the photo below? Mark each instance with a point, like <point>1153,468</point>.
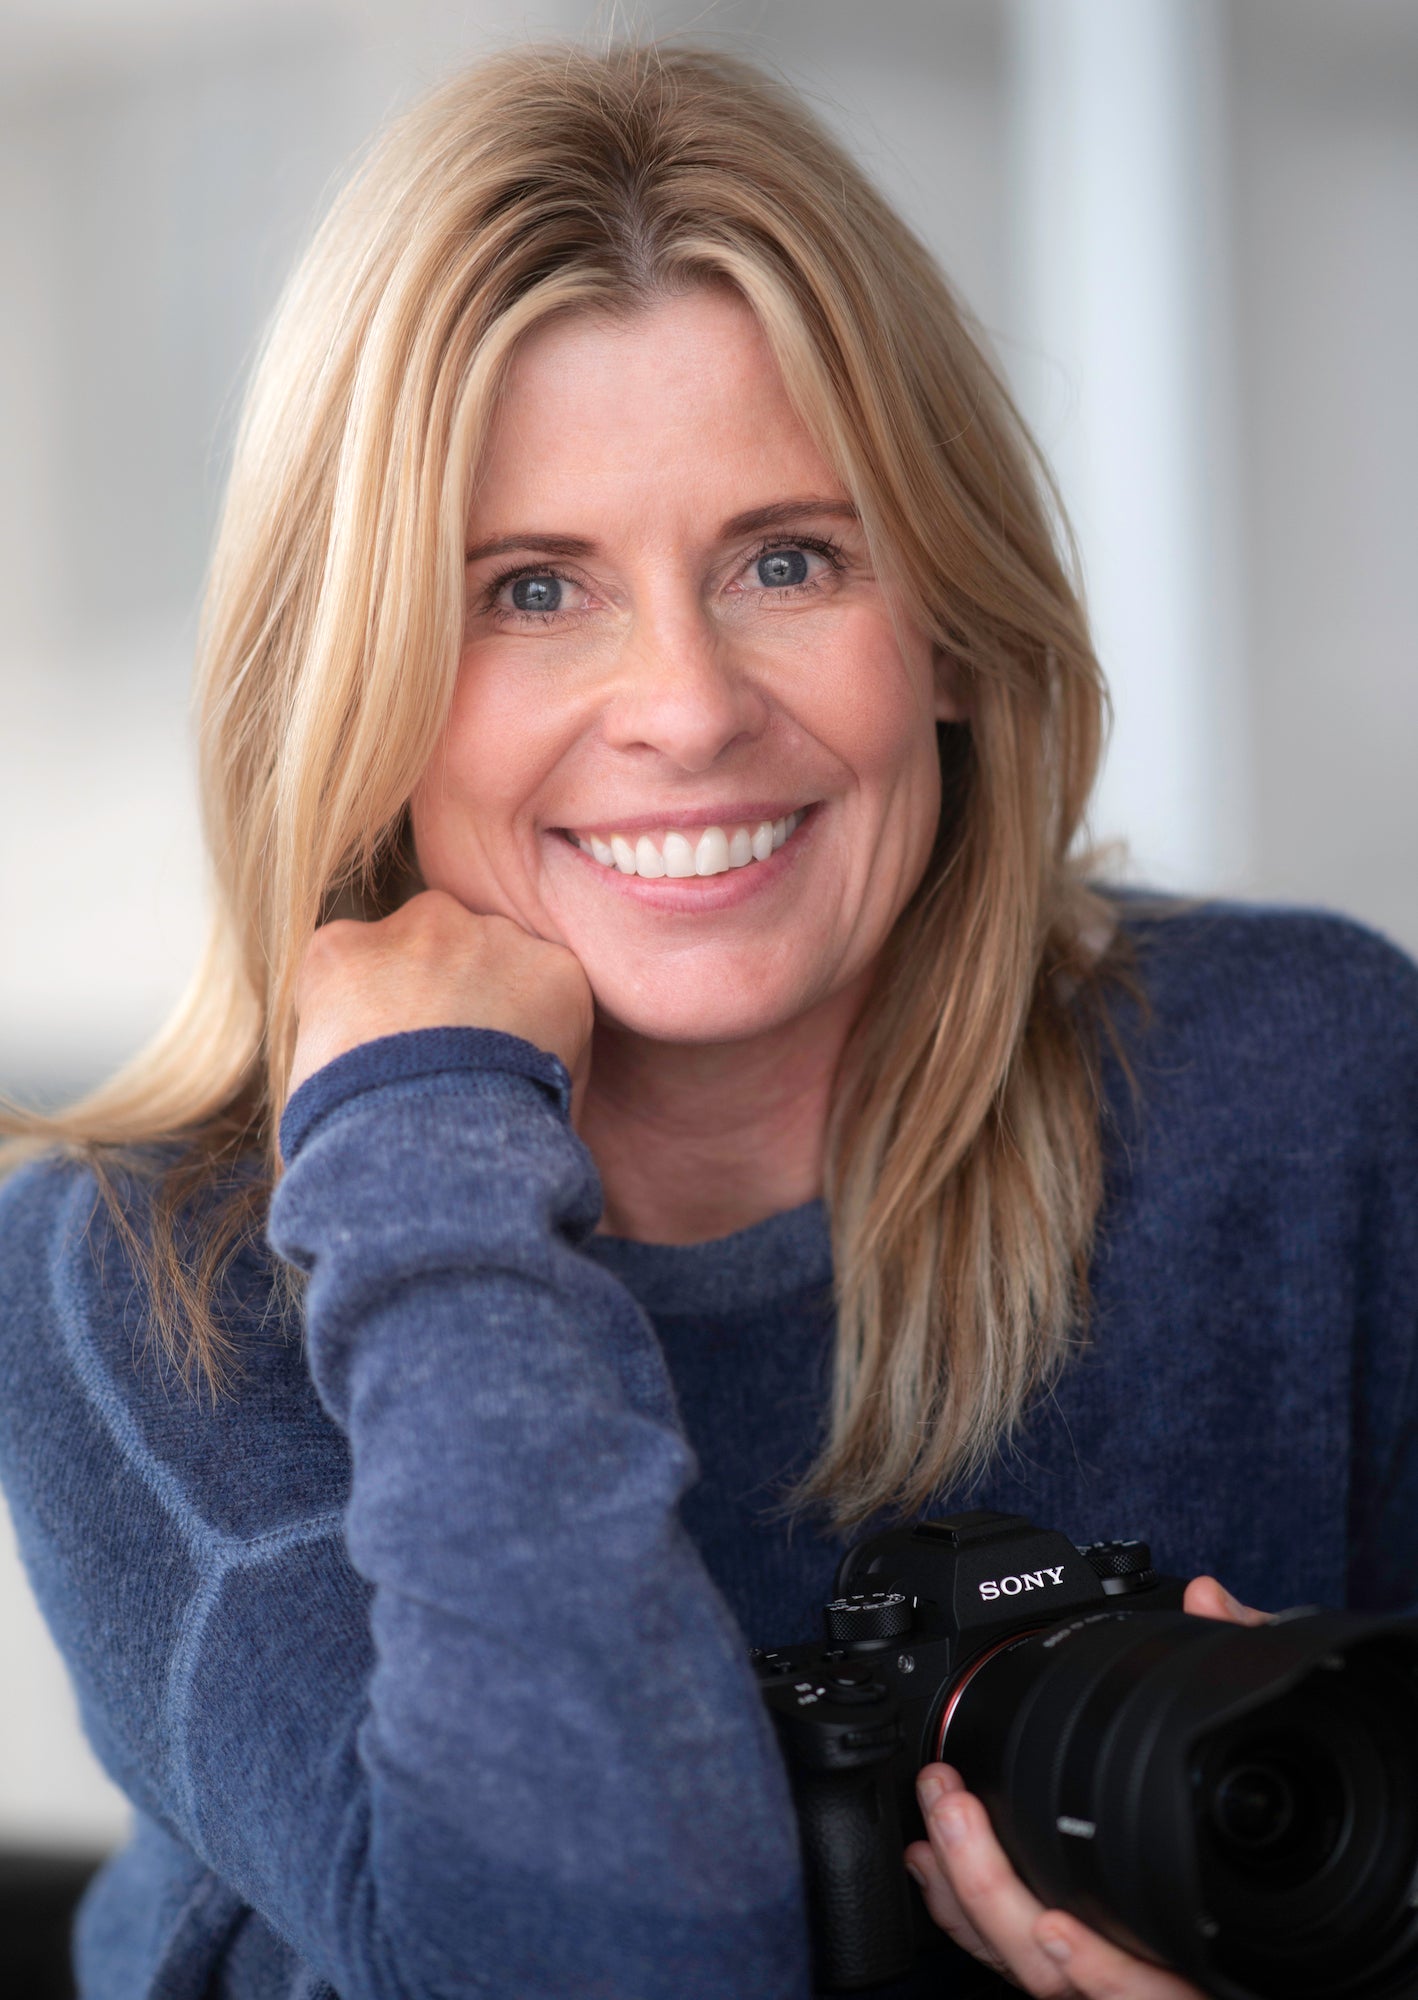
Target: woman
<point>645,724</point>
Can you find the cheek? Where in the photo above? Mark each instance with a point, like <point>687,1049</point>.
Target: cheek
<point>489,762</point>
<point>875,705</point>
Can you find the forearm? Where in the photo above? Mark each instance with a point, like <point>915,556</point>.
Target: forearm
<point>559,1698</point>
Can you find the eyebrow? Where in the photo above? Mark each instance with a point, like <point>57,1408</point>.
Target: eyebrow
<point>753,521</point>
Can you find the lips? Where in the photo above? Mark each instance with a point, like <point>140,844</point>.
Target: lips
<point>687,813</point>
<point>685,852</point>
<point>669,895</point>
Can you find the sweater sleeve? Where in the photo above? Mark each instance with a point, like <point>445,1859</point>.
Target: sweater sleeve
<point>568,1782</point>
<point>489,1729</point>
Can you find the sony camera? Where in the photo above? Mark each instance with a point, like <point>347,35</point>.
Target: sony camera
<point>1239,1804</point>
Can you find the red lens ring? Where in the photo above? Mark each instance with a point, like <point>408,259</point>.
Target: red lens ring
<point>1000,1646</point>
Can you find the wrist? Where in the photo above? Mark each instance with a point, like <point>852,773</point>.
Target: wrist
<point>410,1054</point>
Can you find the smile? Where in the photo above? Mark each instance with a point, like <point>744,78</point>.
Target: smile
<point>682,852</point>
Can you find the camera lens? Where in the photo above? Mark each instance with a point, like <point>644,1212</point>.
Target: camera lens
<point>1239,1803</point>
<point>1254,1807</point>
<point>1274,1808</point>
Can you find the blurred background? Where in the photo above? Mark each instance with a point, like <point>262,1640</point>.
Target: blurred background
<point>1190,228</point>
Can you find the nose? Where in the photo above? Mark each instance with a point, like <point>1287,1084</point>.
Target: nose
<point>682,689</point>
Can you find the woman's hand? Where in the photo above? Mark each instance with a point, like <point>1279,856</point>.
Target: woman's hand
<point>435,964</point>
<point>973,1893</point>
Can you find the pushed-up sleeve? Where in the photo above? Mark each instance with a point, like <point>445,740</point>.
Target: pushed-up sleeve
<point>567,1778</point>
<point>489,1728</point>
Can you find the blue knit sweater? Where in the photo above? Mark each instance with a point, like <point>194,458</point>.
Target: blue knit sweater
<point>422,1657</point>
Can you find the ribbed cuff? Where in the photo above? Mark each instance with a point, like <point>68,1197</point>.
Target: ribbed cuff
<point>419,1052</point>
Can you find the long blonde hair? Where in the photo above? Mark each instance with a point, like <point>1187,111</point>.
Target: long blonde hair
<point>963,1164</point>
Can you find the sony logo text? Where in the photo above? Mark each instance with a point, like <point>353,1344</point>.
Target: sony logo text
<point>1010,1586</point>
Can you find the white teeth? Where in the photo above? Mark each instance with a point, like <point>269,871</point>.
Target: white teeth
<point>679,856</point>
<point>713,853</point>
<point>711,857</point>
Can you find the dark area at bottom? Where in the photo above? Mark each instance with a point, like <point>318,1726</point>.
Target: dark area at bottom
<point>38,1894</point>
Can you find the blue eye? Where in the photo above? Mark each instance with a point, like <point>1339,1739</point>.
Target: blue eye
<point>782,566</point>
<point>537,593</point>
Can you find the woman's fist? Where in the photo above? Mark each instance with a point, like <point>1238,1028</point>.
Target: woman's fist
<point>434,964</point>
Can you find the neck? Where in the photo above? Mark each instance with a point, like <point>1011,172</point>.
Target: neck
<point>696,1140</point>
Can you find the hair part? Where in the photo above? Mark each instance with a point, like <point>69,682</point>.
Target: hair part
<point>963,1170</point>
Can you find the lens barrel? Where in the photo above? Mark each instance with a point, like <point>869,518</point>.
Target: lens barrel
<point>1238,1803</point>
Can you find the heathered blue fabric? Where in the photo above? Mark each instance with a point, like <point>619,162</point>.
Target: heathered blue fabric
<point>422,1657</point>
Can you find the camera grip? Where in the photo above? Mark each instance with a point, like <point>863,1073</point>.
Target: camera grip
<point>859,1901</point>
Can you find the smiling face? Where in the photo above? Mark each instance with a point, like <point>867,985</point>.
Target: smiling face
<point>674,645</point>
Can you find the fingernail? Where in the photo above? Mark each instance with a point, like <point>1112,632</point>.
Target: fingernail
<point>916,1876</point>
<point>930,1791</point>
<point>1056,1948</point>
<point>954,1826</point>
<point>1233,1605</point>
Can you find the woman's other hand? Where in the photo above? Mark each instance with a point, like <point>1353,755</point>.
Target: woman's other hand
<point>436,964</point>
<point>973,1893</point>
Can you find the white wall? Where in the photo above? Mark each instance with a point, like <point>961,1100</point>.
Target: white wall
<point>161,159</point>
<point>1326,229</point>
<point>1122,318</point>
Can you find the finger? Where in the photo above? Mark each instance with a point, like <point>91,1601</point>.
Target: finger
<point>1204,1597</point>
<point>992,1899</point>
<point>943,1905</point>
<point>1101,1971</point>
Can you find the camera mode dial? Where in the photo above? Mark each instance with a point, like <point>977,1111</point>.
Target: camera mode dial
<point>1122,1566</point>
<point>868,1617</point>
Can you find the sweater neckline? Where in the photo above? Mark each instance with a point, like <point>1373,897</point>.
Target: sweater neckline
<point>787,1252</point>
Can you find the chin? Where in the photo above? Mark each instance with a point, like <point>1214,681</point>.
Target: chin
<point>686,1017</point>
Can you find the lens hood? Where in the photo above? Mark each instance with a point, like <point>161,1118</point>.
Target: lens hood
<point>1239,1803</point>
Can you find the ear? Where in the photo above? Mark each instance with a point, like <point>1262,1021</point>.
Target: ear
<point>950,703</point>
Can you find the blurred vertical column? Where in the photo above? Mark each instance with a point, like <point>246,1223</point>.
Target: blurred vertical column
<point>1124,365</point>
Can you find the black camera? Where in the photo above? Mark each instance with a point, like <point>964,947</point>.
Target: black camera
<point>1239,1804</point>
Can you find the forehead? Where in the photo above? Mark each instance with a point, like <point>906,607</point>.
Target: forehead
<point>681,406</point>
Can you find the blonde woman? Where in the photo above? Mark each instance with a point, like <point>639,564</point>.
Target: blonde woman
<point>660,1094</point>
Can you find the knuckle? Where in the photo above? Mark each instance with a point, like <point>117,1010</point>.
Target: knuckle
<point>982,1876</point>
<point>425,923</point>
<point>331,939</point>
<point>325,952</point>
<point>432,912</point>
<point>1107,1981</point>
